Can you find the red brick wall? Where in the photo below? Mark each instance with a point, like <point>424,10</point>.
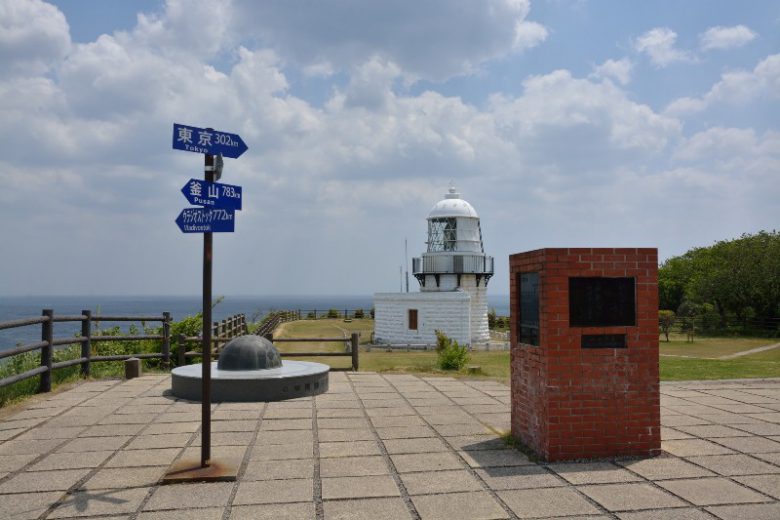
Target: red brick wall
<point>574,403</point>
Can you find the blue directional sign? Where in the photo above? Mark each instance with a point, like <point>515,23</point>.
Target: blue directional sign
<point>206,220</point>
<point>212,194</point>
<point>207,141</point>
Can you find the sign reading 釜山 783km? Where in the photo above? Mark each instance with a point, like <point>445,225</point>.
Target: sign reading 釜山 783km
<point>212,194</point>
<point>207,141</point>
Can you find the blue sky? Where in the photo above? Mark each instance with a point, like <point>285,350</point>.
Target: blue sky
<point>565,123</point>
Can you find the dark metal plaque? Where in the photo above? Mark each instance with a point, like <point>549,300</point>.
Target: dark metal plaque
<point>602,302</point>
<point>604,341</point>
<point>528,321</point>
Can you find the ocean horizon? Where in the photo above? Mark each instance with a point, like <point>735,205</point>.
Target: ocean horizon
<point>19,307</point>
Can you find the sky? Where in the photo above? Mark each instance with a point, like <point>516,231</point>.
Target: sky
<point>564,123</point>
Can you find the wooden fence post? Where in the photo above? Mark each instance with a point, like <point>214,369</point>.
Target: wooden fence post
<point>86,343</point>
<point>181,350</point>
<point>214,337</point>
<point>47,333</point>
<point>166,342</point>
<point>355,343</point>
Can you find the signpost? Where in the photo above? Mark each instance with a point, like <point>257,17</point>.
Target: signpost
<point>217,215</point>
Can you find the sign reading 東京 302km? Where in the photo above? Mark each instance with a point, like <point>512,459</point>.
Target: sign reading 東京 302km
<point>207,141</point>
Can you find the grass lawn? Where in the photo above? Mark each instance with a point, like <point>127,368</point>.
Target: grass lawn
<point>495,364</point>
<point>327,328</point>
<point>704,347</point>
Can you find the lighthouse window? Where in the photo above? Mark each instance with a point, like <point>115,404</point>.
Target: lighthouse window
<point>412,319</point>
<point>442,234</point>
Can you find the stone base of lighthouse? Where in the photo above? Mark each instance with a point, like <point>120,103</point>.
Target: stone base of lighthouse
<point>414,318</point>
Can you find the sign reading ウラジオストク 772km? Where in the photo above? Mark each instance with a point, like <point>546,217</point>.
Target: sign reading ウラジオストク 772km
<point>207,141</point>
<point>206,220</point>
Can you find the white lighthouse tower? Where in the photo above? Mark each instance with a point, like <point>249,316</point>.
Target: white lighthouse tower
<point>453,274</point>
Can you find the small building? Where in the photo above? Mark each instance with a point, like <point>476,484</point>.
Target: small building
<point>453,275</point>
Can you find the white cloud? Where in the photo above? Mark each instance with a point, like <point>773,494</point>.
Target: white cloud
<point>589,120</point>
<point>720,37</point>
<point>659,45</point>
<point>430,40</point>
<point>33,36</point>
<point>619,70</point>
<point>529,35</point>
<point>735,87</point>
<point>717,142</point>
<point>563,160</point>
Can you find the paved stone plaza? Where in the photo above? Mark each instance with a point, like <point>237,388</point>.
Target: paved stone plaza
<point>379,447</point>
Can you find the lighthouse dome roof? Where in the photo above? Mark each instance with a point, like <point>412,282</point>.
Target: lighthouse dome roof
<point>452,206</point>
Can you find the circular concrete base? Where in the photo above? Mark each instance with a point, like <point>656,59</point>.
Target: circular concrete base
<point>293,379</point>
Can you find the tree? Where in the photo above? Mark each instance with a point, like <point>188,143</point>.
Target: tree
<point>491,319</point>
<point>666,319</point>
<point>739,279</point>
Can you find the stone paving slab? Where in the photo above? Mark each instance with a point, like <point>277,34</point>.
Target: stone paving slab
<point>379,447</point>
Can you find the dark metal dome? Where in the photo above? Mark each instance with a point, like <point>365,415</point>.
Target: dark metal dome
<point>249,352</point>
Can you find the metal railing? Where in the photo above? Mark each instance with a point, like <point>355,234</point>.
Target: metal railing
<point>455,263</point>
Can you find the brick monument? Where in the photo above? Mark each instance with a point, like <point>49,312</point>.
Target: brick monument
<point>584,358</point>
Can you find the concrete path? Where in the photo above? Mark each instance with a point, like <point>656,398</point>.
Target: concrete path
<point>379,447</point>
<point>751,351</point>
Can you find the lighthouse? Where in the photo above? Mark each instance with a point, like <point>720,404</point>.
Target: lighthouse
<point>453,274</point>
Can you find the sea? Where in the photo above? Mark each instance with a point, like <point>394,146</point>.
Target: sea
<point>254,307</point>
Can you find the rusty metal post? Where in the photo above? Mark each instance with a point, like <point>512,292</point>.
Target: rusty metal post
<point>86,343</point>
<point>205,442</point>
<point>166,342</point>
<point>47,335</point>
<point>355,342</point>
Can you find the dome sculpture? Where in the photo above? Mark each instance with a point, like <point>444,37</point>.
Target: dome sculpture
<point>250,370</point>
<point>249,352</point>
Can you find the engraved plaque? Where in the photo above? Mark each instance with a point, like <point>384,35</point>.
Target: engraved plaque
<point>603,341</point>
<point>602,302</point>
<point>528,322</point>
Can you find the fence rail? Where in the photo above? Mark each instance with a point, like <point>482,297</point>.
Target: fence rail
<point>715,324</point>
<point>223,331</point>
<point>351,349</point>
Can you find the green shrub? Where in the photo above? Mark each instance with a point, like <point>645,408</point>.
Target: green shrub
<point>359,314</point>
<point>334,313</point>
<point>451,356</point>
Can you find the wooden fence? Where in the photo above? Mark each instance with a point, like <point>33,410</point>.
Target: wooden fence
<point>276,319</point>
<point>223,331</point>
<point>351,349</point>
